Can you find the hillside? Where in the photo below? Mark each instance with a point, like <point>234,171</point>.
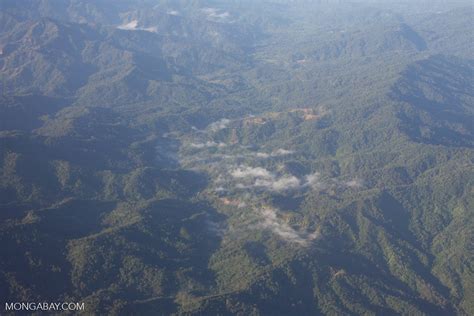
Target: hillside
<point>238,157</point>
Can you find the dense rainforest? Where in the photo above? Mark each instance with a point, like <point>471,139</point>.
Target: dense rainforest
<point>238,157</point>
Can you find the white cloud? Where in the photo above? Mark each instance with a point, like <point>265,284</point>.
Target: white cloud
<point>242,204</point>
<point>216,228</point>
<point>239,203</point>
<point>152,29</point>
<point>221,124</point>
<point>262,155</point>
<point>133,26</point>
<point>282,152</point>
<point>220,189</point>
<point>314,181</point>
<point>354,183</point>
<point>275,153</point>
<point>283,230</point>
<point>279,184</point>
<point>249,172</point>
<point>214,13</point>
<point>207,144</point>
<point>262,178</point>
<point>242,186</point>
<point>172,12</point>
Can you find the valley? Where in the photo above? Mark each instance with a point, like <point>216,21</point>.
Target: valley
<point>238,157</point>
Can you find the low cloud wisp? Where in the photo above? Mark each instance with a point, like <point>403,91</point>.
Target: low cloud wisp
<point>283,230</point>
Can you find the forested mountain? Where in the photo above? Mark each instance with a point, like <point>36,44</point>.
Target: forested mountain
<point>239,157</point>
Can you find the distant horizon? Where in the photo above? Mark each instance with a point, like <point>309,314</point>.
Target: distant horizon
<point>236,157</point>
